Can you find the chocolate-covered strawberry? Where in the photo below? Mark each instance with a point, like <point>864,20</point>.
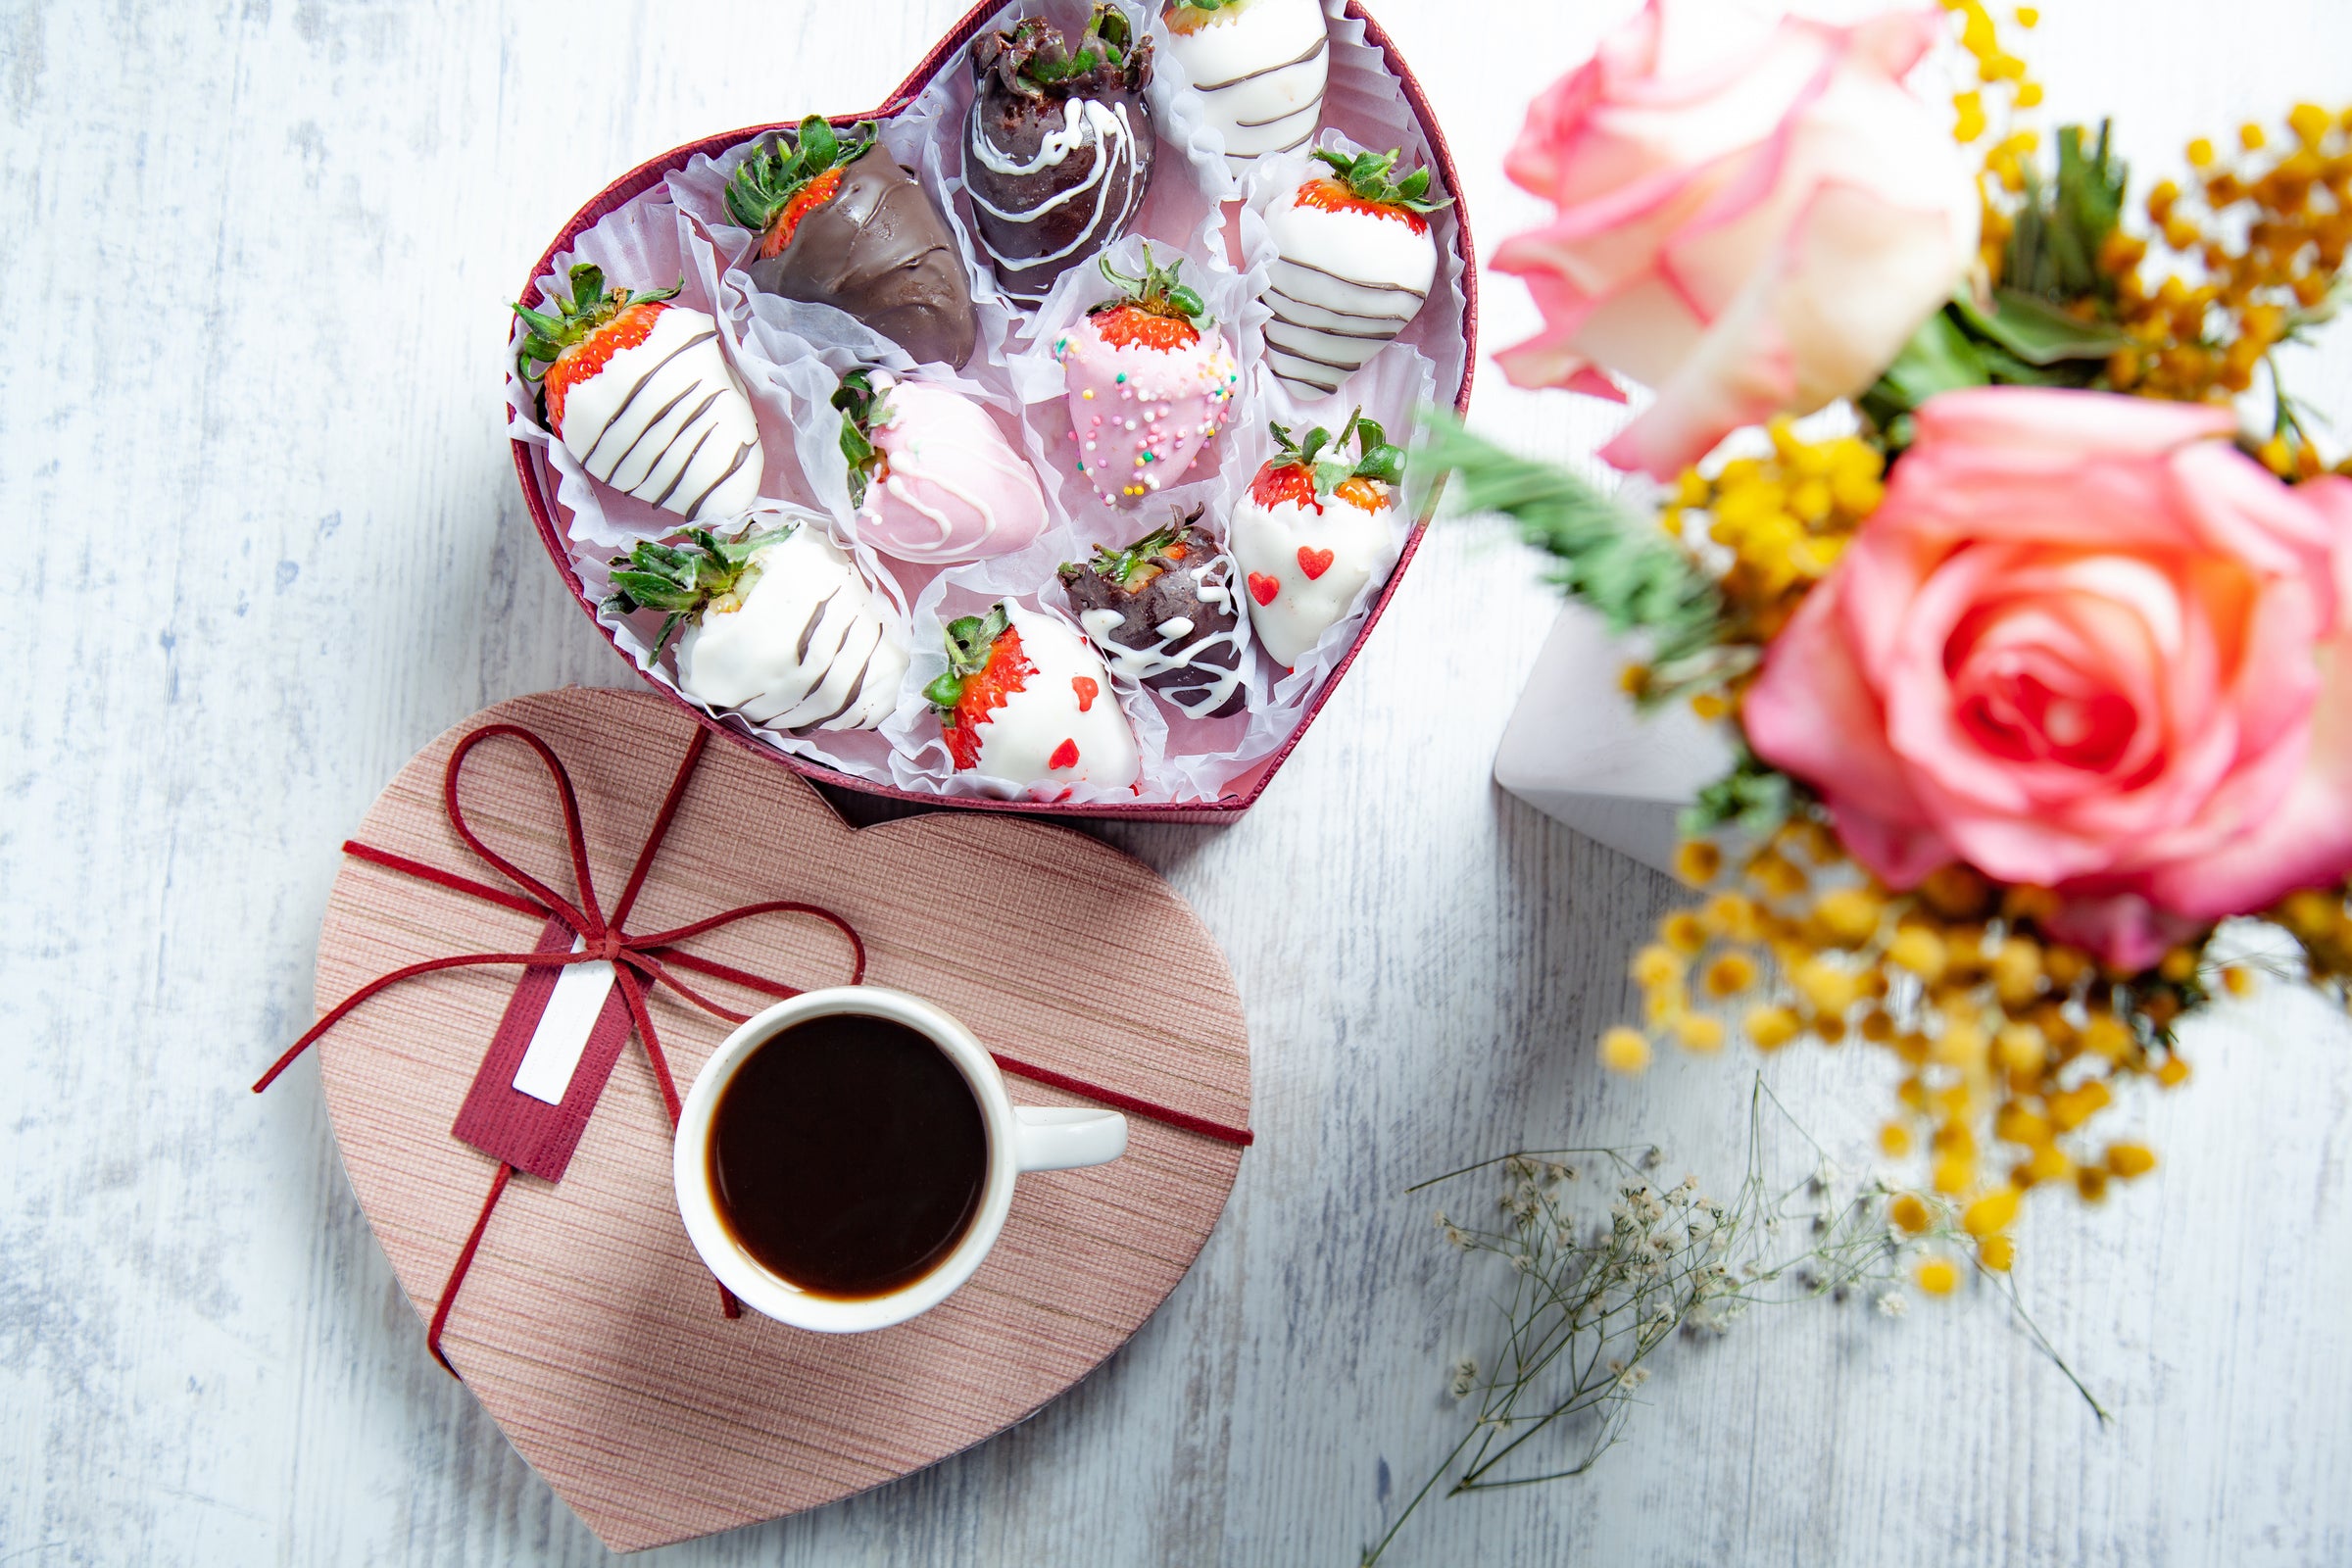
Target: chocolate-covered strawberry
<point>637,389</point>
<point>1313,530</point>
<point>1354,264</point>
<point>778,626</point>
<point>840,222</point>
<point>1058,148</point>
<point>1025,700</point>
<point>1161,612</point>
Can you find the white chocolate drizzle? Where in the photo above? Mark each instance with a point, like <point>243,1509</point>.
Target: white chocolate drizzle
<point>1087,122</point>
<point>1137,665</point>
<point>951,469</point>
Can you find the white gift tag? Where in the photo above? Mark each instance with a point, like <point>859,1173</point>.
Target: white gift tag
<point>562,1038</point>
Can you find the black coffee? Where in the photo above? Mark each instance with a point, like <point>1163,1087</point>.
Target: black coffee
<point>848,1156</point>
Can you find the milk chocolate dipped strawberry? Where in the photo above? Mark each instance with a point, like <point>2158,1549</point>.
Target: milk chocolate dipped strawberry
<point>1058,148</point>
<point>1260,66</point>
<point>1149,383</point>
<point>638,391</point>
<point>778,626</point>
<point>840,222</point>
<point>1355,261</point>
<point>1313,530</point>
<point>932,476</point>
<point>1025,700</point>
<point>1161,612</point>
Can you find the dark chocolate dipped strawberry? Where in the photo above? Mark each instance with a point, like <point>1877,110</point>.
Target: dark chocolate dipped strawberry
<point>840,222</point>
<point>1058,148</point>
<point>1163,612</point>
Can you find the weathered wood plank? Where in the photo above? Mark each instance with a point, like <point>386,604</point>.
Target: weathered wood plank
<point>250,448</point>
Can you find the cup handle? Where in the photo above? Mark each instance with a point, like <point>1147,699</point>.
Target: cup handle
<point>1066,1137</point>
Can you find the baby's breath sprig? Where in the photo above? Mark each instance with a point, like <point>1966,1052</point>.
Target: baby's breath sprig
<point>1592,1297</point>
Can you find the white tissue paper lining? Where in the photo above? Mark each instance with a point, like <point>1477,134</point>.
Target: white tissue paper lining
<point>789,356</point>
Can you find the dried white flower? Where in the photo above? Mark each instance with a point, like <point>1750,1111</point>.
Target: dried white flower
<point>1894,1304</point>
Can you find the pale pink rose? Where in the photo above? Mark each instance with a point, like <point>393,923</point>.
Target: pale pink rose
<point>2084,643</point>
<point>1752,220</point>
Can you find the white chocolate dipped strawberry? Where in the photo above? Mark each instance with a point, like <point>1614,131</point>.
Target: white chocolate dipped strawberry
<point>778,626</point>
<point>1025,700</point>
<point>638,390</point>
<point>1355,261</point>
<point>1151,382</point>
<point>932,476</point>
<point>1260,65</point>
<point>1313,530</point>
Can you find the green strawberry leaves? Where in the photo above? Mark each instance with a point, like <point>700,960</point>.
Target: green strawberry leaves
<point>1121,567</point>
<point>589,308</point>
<point>1376,457</point>
<point>1104,49</point>
<point>970,639</point>
<point>766,182</point>
<point>1159,291</point>
<point>861,406</point>
<point>684,579</point>
<point>1366,177</point>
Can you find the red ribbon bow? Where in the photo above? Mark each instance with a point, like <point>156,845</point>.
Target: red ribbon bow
<point>639,962</point>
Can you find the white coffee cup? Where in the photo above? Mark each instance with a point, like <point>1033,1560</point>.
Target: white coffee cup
<point>1020,1138</point>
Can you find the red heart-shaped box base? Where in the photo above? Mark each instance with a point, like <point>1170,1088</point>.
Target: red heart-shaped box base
<point>1239,793</point>
<point>586,1325</point>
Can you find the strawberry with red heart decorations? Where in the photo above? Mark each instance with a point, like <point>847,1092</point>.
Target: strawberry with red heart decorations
<point>638,391</point>
<point>1354,264</point>
<point>1315,529</point>
<point>1151,382</point>
<point>1025,700</point>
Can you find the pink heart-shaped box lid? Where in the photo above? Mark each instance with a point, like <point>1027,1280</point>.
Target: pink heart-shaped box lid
<point>585,1323</point>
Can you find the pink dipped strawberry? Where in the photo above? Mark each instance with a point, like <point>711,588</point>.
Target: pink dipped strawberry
<point>1151,382</point>
<point>1315,529</point>
<point>1026,701</point>
<point>1354,263</point>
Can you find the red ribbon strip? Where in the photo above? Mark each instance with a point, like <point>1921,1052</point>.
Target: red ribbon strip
<point>639,962</point>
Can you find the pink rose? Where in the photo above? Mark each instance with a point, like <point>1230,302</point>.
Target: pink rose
<point>1752,220</point>
<point>2085,644</point>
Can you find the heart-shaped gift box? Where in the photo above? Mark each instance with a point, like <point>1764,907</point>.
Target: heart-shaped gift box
<point>571,1300</point>
<point>1192,774</point>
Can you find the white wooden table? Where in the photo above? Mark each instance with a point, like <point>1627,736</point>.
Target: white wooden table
<point>267,543</point>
